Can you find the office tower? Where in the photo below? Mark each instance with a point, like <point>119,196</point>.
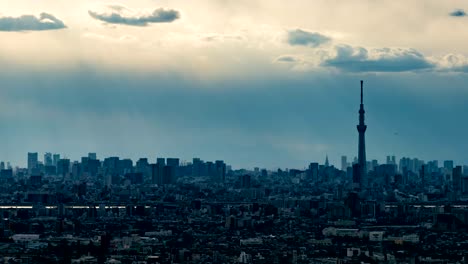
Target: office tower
<point>344,163</point>
<point>388,160</point>
<point>169,174</point>
<point>362,145</point>
<point>2,165</point>
<point>93,166</point>
<point>154,169</point>
<point>457,178</point>
<point>448,165</point>
<point>142,166</point>
<point>55,159</point>
<point>32,161</point>
<point>220,171</point>
<point>196,167</point>
<point>84,165</point>
<point>327,164</point>
<point>111,165</point>
<point>124,166</point>
<point>173,162</point>
<point>211,169</point>
<point>161,161</point>
<point>92,156</point>
<point>48,159</point>
<point>77,169</point>
<point>157,172</point>
<point>313,171</point>
<point>63,167</point>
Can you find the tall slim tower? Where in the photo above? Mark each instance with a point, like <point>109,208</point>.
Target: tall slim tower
<point>362,143</point>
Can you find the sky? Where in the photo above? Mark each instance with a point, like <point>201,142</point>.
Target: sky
<point>253,82</point>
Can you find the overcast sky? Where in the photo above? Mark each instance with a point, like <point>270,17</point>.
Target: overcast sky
<point>257,83</point>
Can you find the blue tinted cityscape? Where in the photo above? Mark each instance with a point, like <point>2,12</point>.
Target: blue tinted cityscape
<point>233,131</point>
<point>116,210</point>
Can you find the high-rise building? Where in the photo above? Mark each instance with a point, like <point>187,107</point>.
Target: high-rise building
<point>55,159</point>
<point>362,143</point>
<point>197,165</point>
<point>344,163</point>
<point>457,178</point>
<point>48,159</point>
<point>161,161</point>
<point>111,165</point>
<point>313,171</point>
<point>220,171</point>
<point>92,156</point>
<point>173,162</point>
<point>448,165</point>
<point>32,161</point>
<point>142,166</point>
<point>63,167</point>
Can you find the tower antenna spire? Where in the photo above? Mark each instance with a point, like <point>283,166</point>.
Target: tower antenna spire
<point>361,127</point>
<point>362,82</point>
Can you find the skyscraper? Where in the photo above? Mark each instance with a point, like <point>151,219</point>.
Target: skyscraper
<point>55,159</point>
<point>92,156</point>
<point>48,159</point>
<point>362,143</point>
<point>344,163</point>
<point>457,178</point>
<point>32,161</point>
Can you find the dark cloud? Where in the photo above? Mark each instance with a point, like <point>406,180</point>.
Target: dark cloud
<point>462,68</point>
<point>276,119</point>
<point>304,38</point>
<point>29,22</point>
<point>458,13</point>
<point>357,59</point>
<point>158,16</point>
<point>286,58</point>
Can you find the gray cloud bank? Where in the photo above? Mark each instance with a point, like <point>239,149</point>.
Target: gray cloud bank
<point>357,59</point>
<point>281,121</point>
<point>300,37</point>
<point>31,23</point>
<point>158,16</point>
<point>458,13</point>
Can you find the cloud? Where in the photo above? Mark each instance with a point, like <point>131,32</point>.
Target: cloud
<point>300,37</point>
<point>30,22</point>
<point>458,13</point>
<point>358,59</point>
<point>117,14</point>
<point>453,63</point>
<point>286,58</point>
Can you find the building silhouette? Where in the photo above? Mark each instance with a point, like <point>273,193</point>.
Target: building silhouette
<point>32,161</point>
<point>362,143</point>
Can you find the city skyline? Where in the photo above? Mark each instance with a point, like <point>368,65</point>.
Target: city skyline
<point>167,79</point>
